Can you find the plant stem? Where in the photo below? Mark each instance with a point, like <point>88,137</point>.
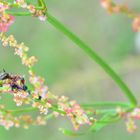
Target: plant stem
<point>105,104</point>
<point>19,13</point>
<point>93,55</point>
<point>41,3</point>
<point>128,93</point>
<point>22,110</point>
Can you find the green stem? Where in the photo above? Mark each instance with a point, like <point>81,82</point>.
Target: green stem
<point>90,53</point>
<point>49,116</point>
<point>22,110</point>
<point>19,13</point>
<point>106,104</point>
<point>41,3</point>
<point>95,57</point>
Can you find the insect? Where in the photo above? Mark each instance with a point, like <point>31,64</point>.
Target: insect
<point>15,87</point>
<point>16,82</point>
<point>39,97</point>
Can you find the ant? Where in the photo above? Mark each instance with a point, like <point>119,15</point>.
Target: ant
<point>13,81</point>
<point>16,82</point>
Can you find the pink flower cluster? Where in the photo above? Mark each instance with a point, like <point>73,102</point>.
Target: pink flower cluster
<point>5,19</point>
<point>136,24</point>
<point>112,7</point>
<point>73,110</point>
<point>39,97</point>
<point>3,7</point>
<point>130,117</point>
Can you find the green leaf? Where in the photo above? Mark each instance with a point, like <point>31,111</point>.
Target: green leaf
<point>105,120</point>
<point>70,133</point>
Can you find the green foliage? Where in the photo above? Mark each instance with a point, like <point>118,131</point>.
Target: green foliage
<point>108,117</point>
<point>70,133</point>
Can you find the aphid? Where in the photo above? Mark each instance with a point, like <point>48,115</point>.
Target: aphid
<point>39,97</point>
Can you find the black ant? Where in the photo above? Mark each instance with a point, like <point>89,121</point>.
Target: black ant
<point>39,97</point>
<point>13,81</point>
<point>16,82</point>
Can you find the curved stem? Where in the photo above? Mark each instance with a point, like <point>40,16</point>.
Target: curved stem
<point>128,93</point>
<point>93,56</point>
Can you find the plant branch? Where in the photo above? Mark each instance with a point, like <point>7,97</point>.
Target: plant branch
<point>106,104</point>
<point>93,55</point>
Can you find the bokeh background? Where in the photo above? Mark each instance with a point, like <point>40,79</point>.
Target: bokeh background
<point>67,69</point>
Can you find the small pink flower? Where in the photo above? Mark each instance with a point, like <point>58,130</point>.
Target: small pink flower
<point>3,7</point>
<point>105,4</point>
<point>5,22</point>
<point>136,113</point>
<point>136,24</point>
<point>42,18</point>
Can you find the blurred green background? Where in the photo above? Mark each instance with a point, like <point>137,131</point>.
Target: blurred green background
<point>68,71</point>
